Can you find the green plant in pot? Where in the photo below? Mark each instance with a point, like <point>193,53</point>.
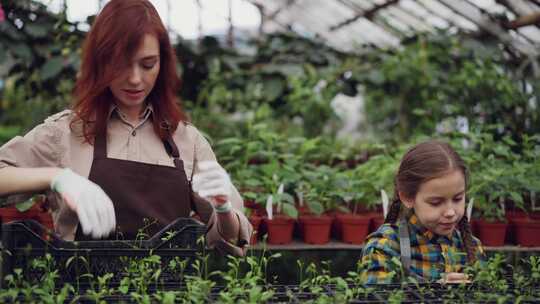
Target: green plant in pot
<point>493,183</point>
<point>490,223</point>
<point>314,224</point>
<point>372,176</point>
<point>525,225</point>
<point>23,207</point>
<point>280,206</point>
<point>353,226</point>
<point>251,186</point>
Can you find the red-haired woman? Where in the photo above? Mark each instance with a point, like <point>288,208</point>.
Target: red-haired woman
<point>125,151</point>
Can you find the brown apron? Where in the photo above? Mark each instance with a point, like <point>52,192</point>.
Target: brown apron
<point>143,195</point>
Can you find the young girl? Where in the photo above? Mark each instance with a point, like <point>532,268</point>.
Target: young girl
<point>426,228</point>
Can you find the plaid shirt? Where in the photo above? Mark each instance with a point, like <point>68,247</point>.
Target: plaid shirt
<point>431,254</point>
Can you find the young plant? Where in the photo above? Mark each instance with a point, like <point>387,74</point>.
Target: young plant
<point>102,290</point>
<point>243,287</point>
<point>275,178</point>
<point>177,266</point>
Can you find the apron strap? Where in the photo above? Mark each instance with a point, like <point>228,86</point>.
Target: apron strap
<point>172,150</point>
<point>405,245</point>
<point>100,146</point>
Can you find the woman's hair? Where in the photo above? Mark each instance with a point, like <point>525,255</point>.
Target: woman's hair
<point>113,40</point>
<point>421,163</point>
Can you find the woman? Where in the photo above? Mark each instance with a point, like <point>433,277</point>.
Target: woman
<point>426,228</point>
<point>127,134</point>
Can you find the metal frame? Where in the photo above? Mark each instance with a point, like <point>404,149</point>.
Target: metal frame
<point>398,18</point>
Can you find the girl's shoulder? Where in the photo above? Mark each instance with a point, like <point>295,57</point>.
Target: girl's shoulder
<point>476,241</point>
<point>387,235</point>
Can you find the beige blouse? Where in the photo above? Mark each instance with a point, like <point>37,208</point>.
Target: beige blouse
<point>54,144</point>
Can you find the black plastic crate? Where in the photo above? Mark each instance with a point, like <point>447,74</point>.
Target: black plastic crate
<point>24,241</point>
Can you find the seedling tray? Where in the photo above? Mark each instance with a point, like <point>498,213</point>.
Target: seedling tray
<point>24,241</point>
<point>381,293</point>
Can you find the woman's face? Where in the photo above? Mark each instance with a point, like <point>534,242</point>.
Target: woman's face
<point>440,203</point>
<point>137,80</point>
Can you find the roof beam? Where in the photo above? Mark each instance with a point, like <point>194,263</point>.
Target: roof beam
<point>272,16</point>
<point>472,13</point>
<point>365,14</point>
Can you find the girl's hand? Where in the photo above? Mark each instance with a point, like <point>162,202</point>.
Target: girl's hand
<point>454,278</point>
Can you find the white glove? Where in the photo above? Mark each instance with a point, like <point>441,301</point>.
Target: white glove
<point>93,207</point>
<point>212,182</point>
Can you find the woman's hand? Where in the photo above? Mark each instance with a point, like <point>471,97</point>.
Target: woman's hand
<point>213,183</point>
<point>93,207</point>
<point>454,278</point>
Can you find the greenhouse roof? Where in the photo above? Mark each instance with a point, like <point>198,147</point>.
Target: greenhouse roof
<point>346,24</point>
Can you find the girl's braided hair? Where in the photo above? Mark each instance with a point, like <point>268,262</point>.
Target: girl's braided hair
<point>421,163</point>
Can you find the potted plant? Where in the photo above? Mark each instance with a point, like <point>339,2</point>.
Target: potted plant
<point>375,174</point>
<point>281,223</point>
<point>491,181</point>
<point>491,224</point>
<point>318,192</point>
<point>281,212</point>
<point>28,207</point>
<point>526,227</point>
<point>251,187</point>
<point>353,225</point>
<point>255,221</point>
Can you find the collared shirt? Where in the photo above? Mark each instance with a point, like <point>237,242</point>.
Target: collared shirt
<point>54,144</point>
<point>431,254</point>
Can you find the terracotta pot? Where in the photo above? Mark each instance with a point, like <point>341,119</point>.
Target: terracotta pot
<point>36,213</point>
<point>280,229</point>
<point>527,231</point>
<point>355,227</point>
<point>298,227</point>
<point>491,233</point>
<point>316,228</point>
<point>534,215</point>
<point>255,222</point>
<point>9,214</point>
<point>511,216</point>
<point>335,228</point>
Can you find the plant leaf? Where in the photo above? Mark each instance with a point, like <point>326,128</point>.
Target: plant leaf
<point>52,68</point>
<point>24,206</point>
<point>290,210</point>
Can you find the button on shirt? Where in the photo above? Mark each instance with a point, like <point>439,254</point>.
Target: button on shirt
<point>55,144</point>
<point>431,254</point>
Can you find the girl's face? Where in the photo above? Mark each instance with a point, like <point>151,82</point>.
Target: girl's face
<point>137,80</point>
<point>440,203</point>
